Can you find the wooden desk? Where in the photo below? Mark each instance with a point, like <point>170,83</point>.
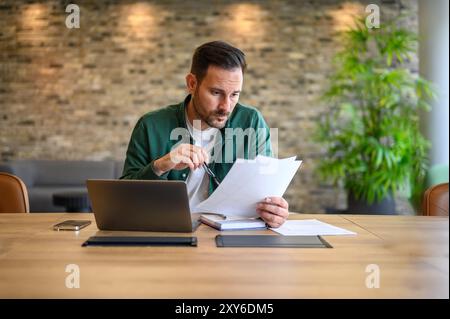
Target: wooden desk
<point>411,252</point>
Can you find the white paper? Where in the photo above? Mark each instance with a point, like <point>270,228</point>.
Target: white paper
<point>249,182</point>
<point>310,227</point>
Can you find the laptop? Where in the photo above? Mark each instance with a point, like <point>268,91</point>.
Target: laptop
<point>141,205</point>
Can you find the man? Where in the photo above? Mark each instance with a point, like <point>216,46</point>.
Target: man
<point>204,122</point>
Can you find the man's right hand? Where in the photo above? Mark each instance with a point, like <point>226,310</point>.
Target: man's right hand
<point>184,155</point>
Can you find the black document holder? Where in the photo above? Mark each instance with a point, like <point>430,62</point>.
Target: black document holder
<point>271,241</point>
<point>140,241</point>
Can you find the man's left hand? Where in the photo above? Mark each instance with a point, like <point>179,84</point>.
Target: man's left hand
<point>273,210</point>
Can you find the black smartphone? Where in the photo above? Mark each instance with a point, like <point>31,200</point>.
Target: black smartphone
<point>72,225</point>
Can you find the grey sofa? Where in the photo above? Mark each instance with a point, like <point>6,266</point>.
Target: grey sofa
<point>43,178</point>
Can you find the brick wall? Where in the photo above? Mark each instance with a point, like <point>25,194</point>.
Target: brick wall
<point>77,93</point>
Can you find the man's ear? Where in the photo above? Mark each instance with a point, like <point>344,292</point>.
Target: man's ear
<point>191,83</point>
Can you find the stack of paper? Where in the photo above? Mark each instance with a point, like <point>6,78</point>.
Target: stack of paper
<point>232,223</point>
<point>249,182</point>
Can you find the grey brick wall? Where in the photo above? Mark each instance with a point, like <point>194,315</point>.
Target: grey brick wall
<point>77,93</point>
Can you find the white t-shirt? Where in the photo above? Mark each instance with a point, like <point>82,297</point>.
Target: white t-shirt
<point>198,180</point>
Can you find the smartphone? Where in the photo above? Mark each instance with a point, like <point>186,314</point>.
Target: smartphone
<point>72,225</point>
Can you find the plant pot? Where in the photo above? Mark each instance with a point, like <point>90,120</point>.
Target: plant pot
<point>360,206</point>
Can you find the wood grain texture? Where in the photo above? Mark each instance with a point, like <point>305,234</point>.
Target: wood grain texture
<point>411,252</point>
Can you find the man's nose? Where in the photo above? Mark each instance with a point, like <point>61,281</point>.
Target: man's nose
<point>225,104</point>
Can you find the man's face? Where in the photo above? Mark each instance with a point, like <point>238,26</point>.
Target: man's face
<point>216,96</point>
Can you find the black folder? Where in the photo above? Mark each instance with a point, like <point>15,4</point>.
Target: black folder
<point>271,241</point>
<point>140,241</point>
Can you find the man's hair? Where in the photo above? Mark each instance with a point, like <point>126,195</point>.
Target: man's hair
<point>217,53</point>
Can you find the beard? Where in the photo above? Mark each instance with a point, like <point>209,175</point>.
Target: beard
<point>216,119</point>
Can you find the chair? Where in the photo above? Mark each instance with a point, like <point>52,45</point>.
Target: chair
<point>13,194</point>
<point>45,178</point>
<point>435,201</point>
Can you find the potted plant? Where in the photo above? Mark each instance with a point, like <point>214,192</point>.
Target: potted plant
<point>374,147</point>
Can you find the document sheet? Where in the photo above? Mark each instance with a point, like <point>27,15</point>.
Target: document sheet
<point>310,227</point>
<point>249,182</point>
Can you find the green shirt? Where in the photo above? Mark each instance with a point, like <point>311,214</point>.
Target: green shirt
<point>245,135</point>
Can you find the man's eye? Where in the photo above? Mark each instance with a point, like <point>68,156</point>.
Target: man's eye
<point>215,93</point>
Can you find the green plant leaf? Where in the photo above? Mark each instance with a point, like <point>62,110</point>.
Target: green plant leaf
<point>370,133</point>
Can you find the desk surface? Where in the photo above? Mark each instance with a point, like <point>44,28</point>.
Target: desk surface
<point>412,254</point>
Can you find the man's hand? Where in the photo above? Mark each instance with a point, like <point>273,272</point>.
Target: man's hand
<point>184,155</point>
<point>273,210</point>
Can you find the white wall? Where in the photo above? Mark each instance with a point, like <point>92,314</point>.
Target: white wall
<point>434,66</point>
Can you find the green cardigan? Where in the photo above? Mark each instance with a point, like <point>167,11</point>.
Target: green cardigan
<point>151,139</point>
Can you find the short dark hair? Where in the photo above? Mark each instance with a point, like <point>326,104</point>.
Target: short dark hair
<point>217,53</point>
